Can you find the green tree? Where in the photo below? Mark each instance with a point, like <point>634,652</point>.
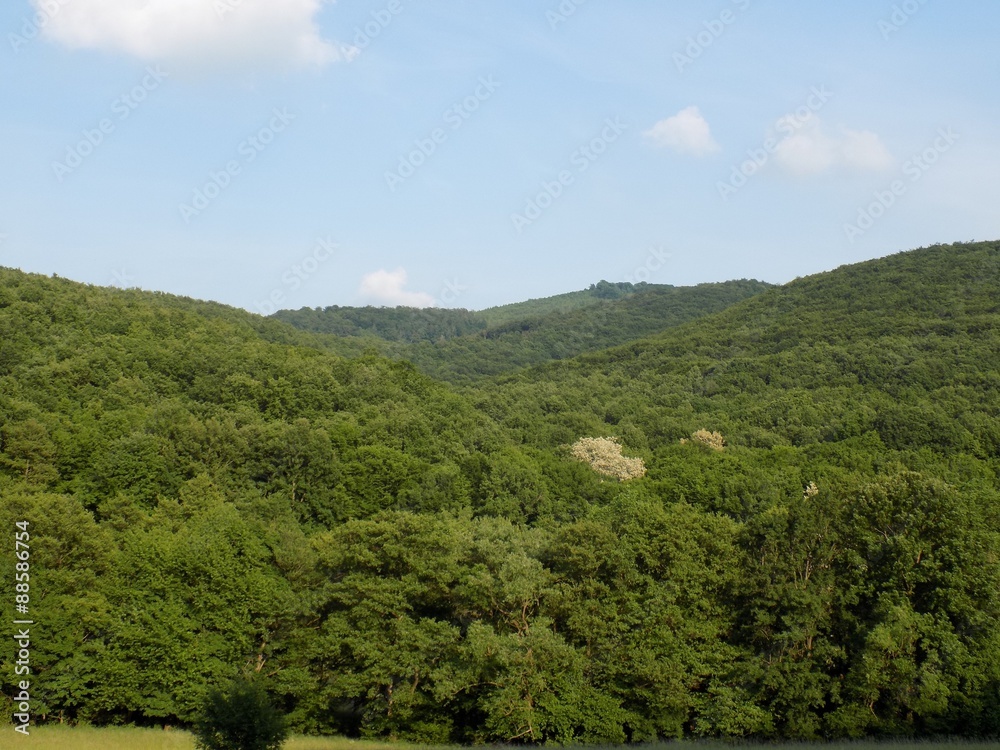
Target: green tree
<point>194,595</point>
<point>27,450</point>
<point>70,562</point>
<point>924,603</point>
<point>240,718</point>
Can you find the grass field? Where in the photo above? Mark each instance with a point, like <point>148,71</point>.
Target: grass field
<point>120,738</point>
<point>85,738</point>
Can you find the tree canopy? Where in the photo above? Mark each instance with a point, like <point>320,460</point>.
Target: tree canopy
<point>811,551</point>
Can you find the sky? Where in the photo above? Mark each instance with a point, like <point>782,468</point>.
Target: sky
<point>276,154</point>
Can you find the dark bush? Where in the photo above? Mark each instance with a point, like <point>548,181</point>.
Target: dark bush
<point>240,718</point>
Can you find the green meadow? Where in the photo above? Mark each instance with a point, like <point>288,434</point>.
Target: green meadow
<point>130,738</point>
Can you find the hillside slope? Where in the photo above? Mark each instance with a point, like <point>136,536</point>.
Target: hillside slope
<point>877,348</point>
<point>601,292</point>
<point>106,391</point>
<point>409,325</point>
<point>438,343</point>
<point>211,495</point>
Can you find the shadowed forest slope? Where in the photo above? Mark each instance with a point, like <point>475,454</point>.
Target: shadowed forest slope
<point>461,346</point>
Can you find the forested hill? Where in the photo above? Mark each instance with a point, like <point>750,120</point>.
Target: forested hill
<point>405,325</point>
<point>108,393</point>
<point>461,346</point>
<point>778,520</point>
<point>905,348</point>
<point>410,325</point>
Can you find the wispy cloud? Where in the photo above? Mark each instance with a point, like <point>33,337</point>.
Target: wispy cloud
<point>198,34</point>
<point>387,288</point>
<point>687,132</point>
<point>811,149</point>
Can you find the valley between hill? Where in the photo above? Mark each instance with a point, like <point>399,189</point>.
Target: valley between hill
<point>380,516</point>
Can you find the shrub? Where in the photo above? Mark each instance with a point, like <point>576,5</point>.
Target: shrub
<point>240,718</point>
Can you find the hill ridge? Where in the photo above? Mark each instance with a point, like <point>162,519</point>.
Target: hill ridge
<point>808,546</point>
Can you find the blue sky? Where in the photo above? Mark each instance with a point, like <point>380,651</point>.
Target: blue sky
<point>289,153</point>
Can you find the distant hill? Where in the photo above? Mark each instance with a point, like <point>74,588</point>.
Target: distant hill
<point>527,342</point>
<point>461,346</point>
<point>410,325</point>
<point>602,291</point>
<point>406,325</point>
<point>903,350</point>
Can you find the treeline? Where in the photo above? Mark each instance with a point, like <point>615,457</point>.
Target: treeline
<point>602,291</point>
<point>212,494</point>
<point>435,343</point>
<point>406,325</point>
<point>854,611</point>
<point>410,325</point>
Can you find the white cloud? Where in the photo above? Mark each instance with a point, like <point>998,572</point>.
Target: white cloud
<point>864,150</point>
<point>386,288</point>
<point>198,34</point>
<point>687,132</point>
<point>810,150</point>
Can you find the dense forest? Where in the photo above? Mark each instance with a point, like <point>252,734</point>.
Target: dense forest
<point>411,324</point>
<point>395,542</point>
<point>462,346</point>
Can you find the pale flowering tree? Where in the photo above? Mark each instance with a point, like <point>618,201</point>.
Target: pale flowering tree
<point>713,440</point>
<point>605,457</point>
